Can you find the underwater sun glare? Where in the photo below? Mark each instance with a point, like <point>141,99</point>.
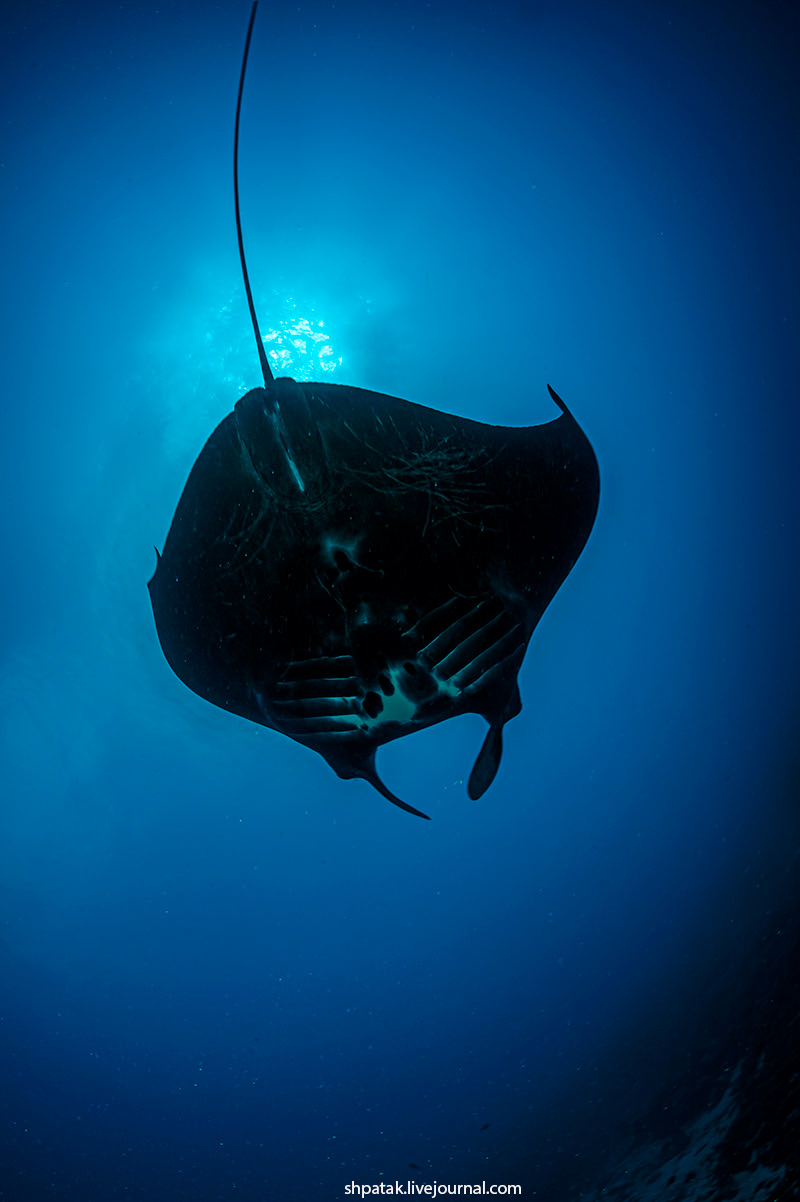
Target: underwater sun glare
<point>298,347</point>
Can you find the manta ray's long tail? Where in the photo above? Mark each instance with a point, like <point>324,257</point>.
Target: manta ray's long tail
<point>265,369</point>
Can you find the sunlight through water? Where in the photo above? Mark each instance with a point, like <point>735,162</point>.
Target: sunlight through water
<point>298,347</point>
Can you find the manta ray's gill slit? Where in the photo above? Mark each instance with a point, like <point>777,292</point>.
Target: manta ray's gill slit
<point>476,653</point>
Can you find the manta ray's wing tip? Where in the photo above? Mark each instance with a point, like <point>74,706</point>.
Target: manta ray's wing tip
<point>557,399</point>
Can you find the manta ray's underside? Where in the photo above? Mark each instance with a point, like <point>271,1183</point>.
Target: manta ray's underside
<point>347,568</point>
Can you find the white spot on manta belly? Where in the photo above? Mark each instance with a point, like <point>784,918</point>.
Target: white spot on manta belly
<point>396,705</point>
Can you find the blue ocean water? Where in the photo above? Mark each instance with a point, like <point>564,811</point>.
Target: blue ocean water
<point>226,973</point>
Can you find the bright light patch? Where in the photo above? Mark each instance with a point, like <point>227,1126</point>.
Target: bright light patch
<point>204,358</point>
<point>298,347</point>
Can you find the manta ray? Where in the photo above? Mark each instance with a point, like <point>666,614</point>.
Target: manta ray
<point>347,568</point>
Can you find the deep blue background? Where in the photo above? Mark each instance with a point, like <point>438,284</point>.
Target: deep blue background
<point>228,974</point>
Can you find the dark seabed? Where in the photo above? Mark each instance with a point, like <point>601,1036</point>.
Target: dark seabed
<point>226,973</point>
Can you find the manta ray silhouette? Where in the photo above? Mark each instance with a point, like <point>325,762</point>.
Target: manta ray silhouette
<point>347,568</point>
